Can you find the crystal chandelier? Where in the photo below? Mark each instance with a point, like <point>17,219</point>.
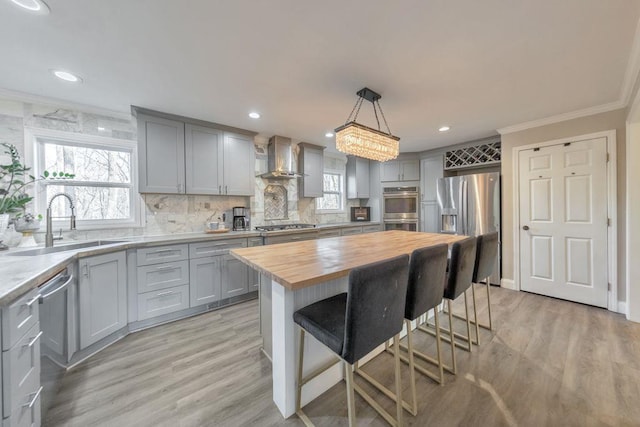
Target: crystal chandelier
<point>363,141</point>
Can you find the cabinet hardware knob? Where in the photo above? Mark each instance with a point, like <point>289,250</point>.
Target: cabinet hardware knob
<point>525,228</point>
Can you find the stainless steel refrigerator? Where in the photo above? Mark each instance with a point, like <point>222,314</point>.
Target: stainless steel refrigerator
<point>470,205</point>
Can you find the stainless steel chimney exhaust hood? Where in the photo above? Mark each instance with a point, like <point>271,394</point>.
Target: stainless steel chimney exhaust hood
<point>280,159</point>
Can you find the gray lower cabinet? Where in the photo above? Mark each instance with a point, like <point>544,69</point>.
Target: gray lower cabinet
<point>371,228</point>
<point>350,231</point>
<point>323,234</point>
<point>205,286</point>
<point>152,304</point>
<point>20,374</point>
<point>102,296</point>
<point>235,277</point>
<point>254,275</point>
<point>162,276</point>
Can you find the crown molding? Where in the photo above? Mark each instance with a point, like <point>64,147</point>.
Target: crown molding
<point>633,69</point>
<point>43,100</point>
<point>626,92</point>
<point>563,117</point>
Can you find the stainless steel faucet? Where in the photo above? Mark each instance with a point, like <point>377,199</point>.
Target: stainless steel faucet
<point>48,238</point>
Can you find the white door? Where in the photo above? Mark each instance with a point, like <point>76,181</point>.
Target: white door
<point>563,221</point>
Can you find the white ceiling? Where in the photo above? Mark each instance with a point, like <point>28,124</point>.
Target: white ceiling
<point>475,65</point>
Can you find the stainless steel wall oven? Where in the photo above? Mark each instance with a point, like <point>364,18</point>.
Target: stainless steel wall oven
<point>400,208</point>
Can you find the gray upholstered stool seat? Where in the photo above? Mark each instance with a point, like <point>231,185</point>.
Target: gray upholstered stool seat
<point>354,324</point>
<point>325,321</point>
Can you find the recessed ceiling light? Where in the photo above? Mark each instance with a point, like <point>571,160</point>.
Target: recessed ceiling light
<point>101,129</point>
<point>67,76</point>
<point>444,128</point>
<point>328,135</point>
<point>33,6</point>
<point>254,115</point>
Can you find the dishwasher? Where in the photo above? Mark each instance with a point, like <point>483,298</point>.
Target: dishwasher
<point>56,322</point>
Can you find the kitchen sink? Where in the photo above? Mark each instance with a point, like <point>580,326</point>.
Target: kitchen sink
<point>63,248</point>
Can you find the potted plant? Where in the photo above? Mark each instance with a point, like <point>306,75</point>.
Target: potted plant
<point>15,179</point>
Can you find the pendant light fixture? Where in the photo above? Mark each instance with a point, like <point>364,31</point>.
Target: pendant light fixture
<point>363,141</point>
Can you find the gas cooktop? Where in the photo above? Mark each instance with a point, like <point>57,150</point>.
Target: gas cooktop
<point>284,227</point>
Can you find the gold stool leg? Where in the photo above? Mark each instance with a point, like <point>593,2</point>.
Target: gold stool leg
<point>396,356</point>
<point>300,362</point>
<point>475,313</point>
<point>452,340</point>
<point>412,369</point>
<point>438,349</point>
<point>466,314</point>
<point>489,303</point>
<point>351,399</point>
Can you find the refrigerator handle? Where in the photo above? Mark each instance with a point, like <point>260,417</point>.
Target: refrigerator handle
<point>463,208</point>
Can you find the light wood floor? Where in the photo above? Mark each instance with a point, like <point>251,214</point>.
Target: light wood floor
<point>548,363</point>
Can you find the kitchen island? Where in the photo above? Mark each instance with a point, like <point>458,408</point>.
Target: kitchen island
<point>297,274</point>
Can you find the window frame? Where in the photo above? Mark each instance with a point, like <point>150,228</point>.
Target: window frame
<point>34,154</point>
<point>341,193</point>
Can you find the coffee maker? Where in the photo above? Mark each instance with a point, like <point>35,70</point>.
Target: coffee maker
<point>241,218</point>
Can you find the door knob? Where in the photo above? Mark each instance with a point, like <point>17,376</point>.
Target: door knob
<point>525,228</point>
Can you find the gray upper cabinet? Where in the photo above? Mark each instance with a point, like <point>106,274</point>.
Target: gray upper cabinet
<point>177,157</point>
<point>238,165</point>
<point>203,155</point>
<point>102,296</point>
<point>400,170</point>
<point>311,165</point>
<point>357,178</point>
<point>160,155</point>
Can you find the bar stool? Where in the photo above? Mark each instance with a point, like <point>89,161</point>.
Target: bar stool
<point>427,272</point>
<point>461,265</point>
<point>353,324</point>
<point>486,253</point>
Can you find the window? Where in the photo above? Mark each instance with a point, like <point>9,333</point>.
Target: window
<point>103,190</point>
<point>332,190</point>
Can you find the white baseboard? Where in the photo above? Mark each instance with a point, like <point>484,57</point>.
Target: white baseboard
<point>508,284</point>
<point>622,307</point>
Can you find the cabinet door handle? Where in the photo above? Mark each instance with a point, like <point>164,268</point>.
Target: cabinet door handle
<point>32,300</point>
<point>219,189</point>
<point>160,251</point>
<point>165,267</point>
<point>225,190</point>
<point>34,399</point>
<point>163,294</point>
<point>33,340</point>
<point>86,270</point>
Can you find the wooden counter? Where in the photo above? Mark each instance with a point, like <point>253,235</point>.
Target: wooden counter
<point>297,265</point>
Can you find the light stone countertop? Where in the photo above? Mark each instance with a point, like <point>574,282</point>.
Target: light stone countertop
<point>20,274</point>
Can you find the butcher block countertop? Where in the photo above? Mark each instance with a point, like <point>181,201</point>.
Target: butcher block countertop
<point>297,265</point>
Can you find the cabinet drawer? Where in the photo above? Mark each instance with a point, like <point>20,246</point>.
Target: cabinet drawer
<point>18,318</point>
<point>21,372</point>
<point>272,240</point>
<point>351,230</point>
<point>254,241</point>
<point>162,276</point>
<point>328,233</point>
<point>215,247</point>
<point>160,254</point>
<point>371,228</point>
<point>152,304</point>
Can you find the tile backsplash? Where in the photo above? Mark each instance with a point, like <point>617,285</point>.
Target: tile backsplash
<point>164,213</point>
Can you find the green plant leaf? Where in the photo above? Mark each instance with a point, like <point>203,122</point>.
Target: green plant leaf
<point>46,174</point>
